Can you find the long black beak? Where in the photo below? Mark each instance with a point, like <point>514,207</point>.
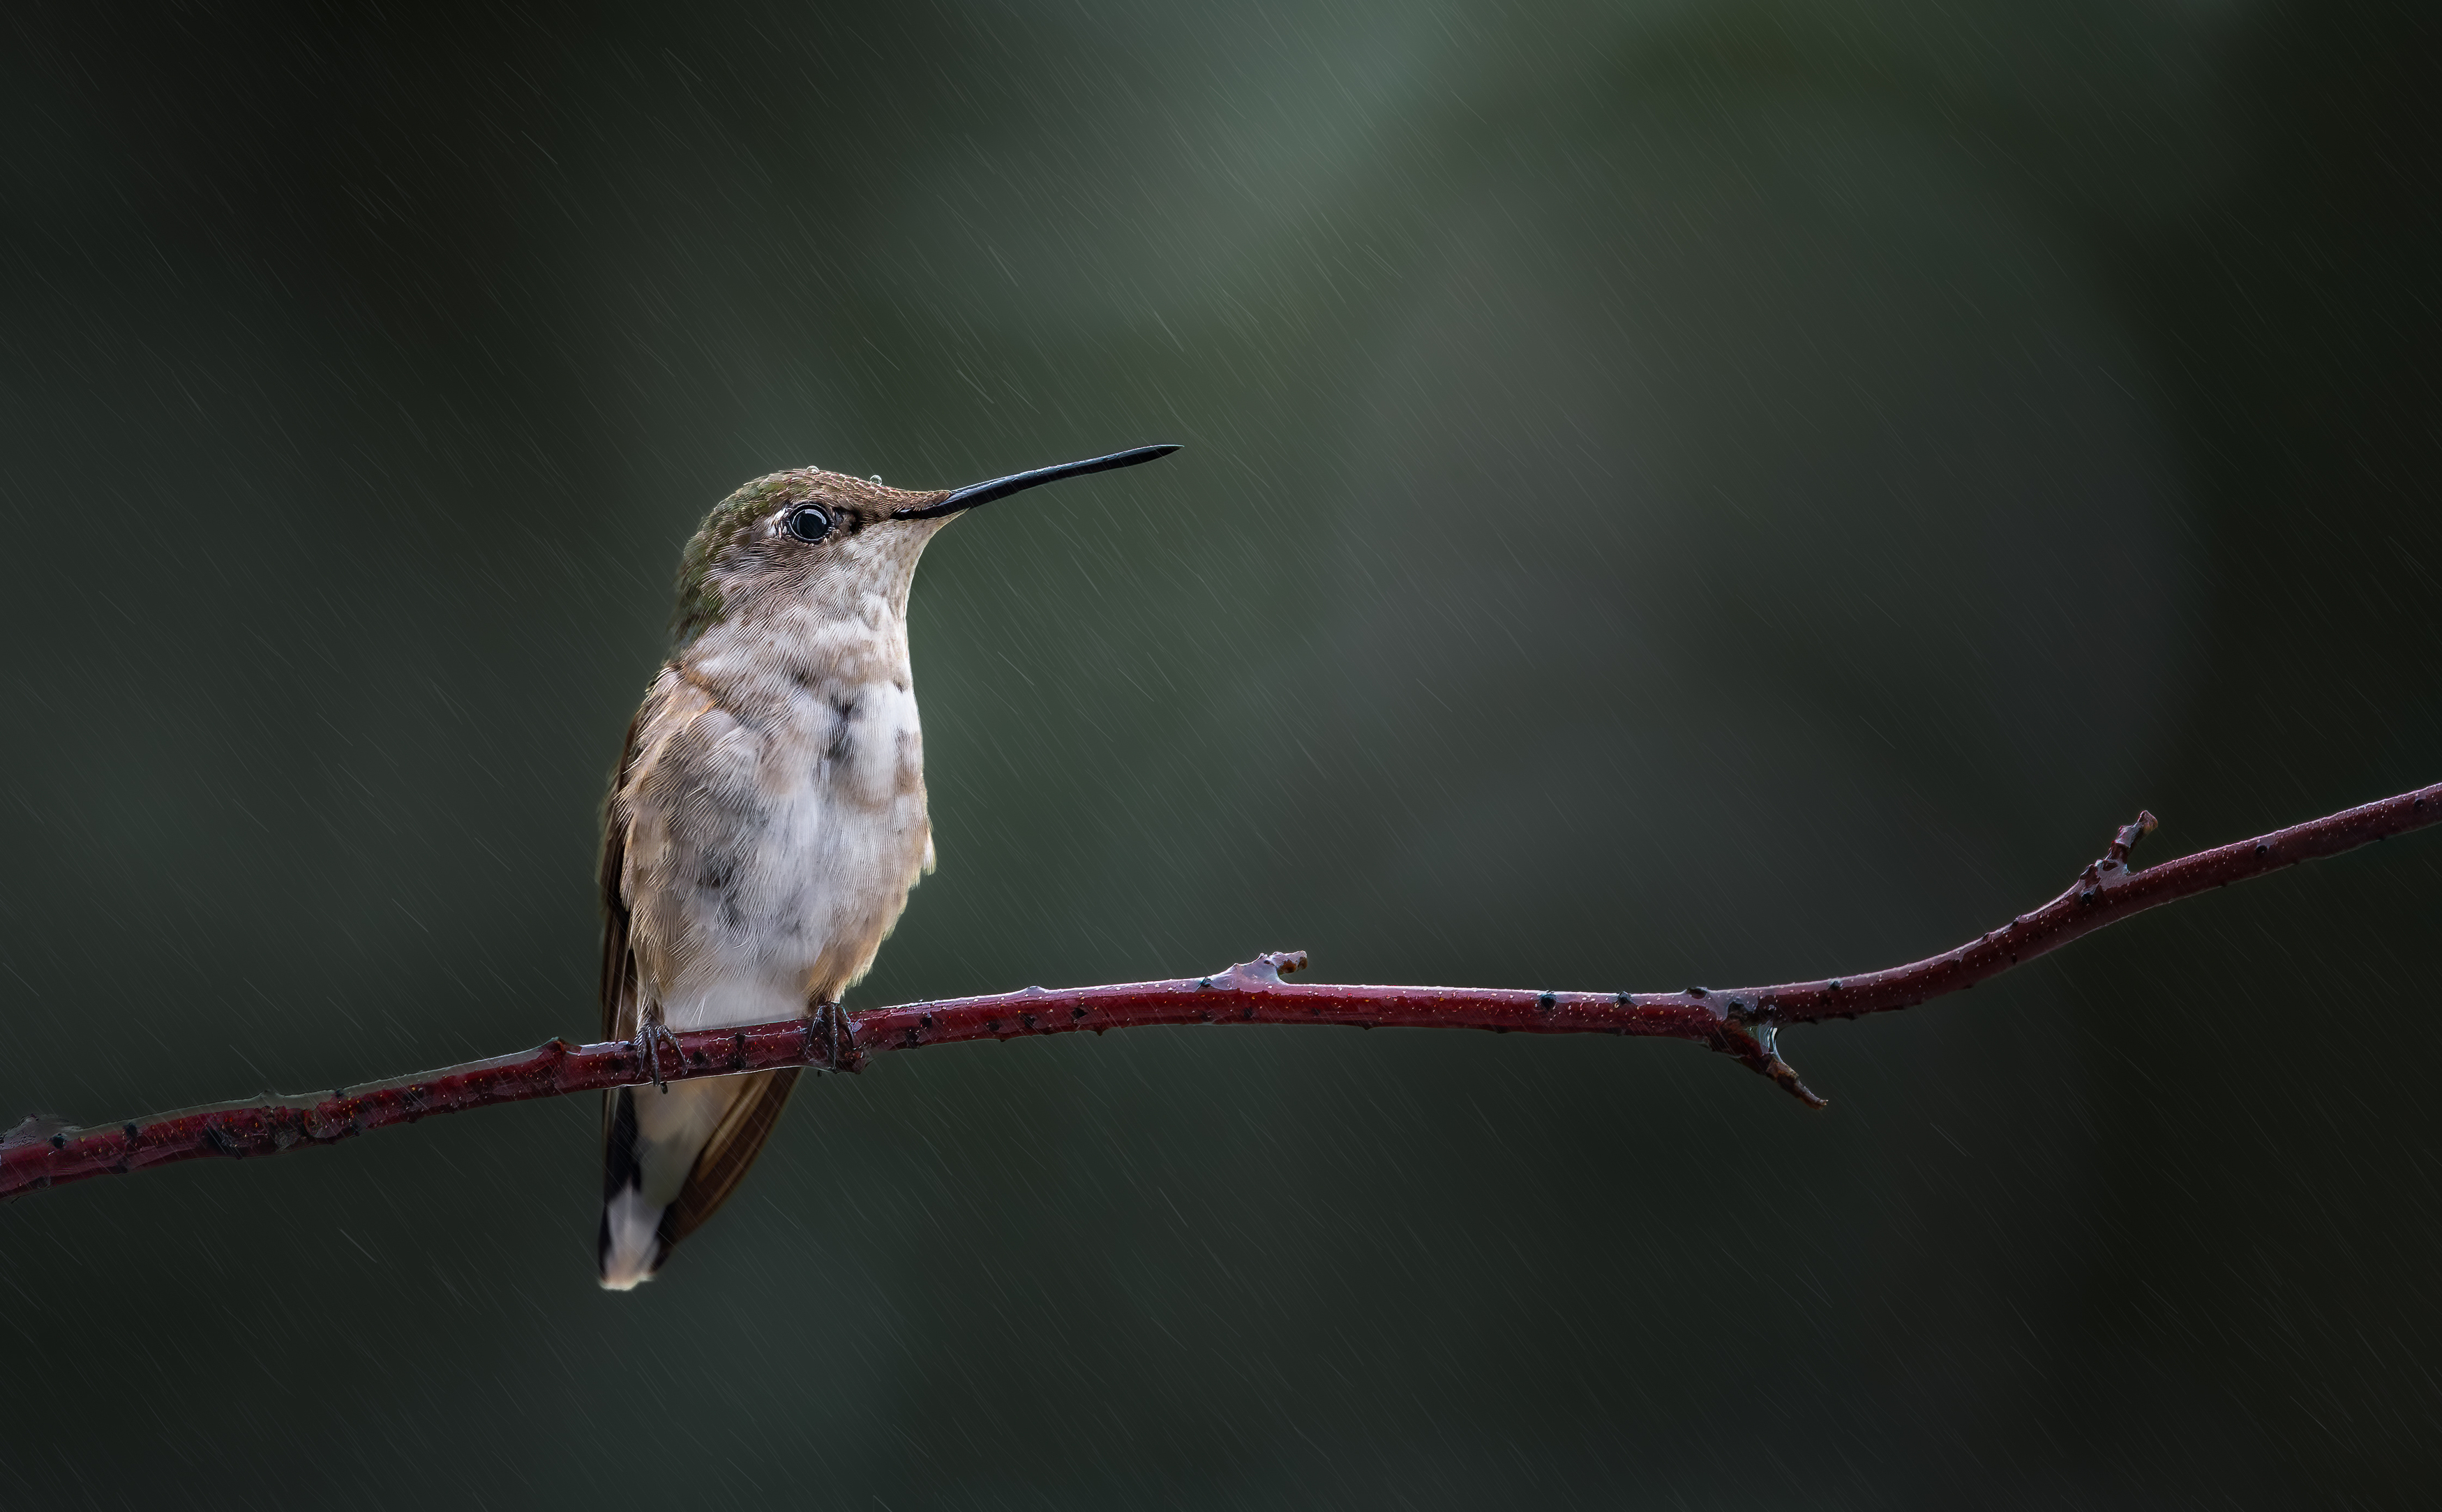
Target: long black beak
<point>973,494</point>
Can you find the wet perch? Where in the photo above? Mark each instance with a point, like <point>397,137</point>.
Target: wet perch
<point>1741,1022</point>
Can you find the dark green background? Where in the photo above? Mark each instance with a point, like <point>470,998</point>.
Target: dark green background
<point>1672,493</point>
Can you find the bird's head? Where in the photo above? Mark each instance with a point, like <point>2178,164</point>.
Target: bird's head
<point>843,548</point>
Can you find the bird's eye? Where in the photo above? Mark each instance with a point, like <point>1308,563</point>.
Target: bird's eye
<point>810,523</point>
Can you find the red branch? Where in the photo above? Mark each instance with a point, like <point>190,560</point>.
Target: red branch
<point>1740,1022</point>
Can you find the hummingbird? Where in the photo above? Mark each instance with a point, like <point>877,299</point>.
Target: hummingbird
<point>767,819</point>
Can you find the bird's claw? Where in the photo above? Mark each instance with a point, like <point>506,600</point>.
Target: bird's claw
<point>650,1037</point>
<point>832,1024</point>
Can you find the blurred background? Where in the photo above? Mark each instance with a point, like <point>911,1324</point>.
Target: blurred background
<point>1672,493</point>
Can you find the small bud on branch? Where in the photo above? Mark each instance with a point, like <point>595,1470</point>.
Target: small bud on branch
<point>1741,1022</point>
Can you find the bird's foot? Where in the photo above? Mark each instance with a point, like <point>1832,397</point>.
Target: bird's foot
<point>650,1037</point>
<point>828,1027</point>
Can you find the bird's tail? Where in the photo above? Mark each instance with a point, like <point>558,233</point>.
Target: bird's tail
<point>670,1158</point>
<point>630,1244</point>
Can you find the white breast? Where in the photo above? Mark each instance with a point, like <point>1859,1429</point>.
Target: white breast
<point>787,838</point>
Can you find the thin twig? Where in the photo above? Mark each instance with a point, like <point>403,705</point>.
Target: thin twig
<point>1740,1022</point>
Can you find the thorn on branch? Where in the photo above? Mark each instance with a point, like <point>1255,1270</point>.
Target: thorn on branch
<point>2126,840</point>
<point>33,1127</point>
<point>1265,970</point>
<point>1785,1076</point>
<point>1758,1049</point>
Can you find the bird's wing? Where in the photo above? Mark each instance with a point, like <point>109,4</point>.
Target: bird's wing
<point>618,954</point>
<point>737,1139</point>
